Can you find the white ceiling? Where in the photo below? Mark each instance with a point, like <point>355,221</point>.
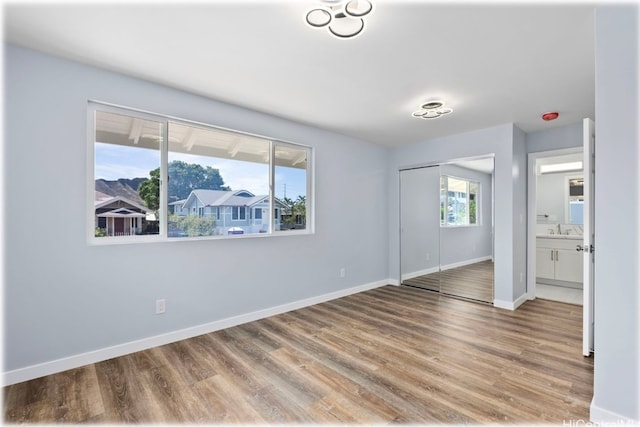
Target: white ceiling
<point>492,63</point>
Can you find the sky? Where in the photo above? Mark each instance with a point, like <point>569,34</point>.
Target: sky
<point>117,161</point>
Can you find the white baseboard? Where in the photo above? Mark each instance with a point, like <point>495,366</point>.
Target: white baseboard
<point>511,305</point>
<point>419,273</point>
<point>600,416</point>
<point>465,262</point>
<point>76,361</point>
<point>394,282</point>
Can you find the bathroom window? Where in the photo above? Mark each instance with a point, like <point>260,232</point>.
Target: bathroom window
<point>576,200</point>
<point>458,202</point>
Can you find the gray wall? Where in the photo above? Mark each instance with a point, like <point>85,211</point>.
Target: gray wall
<point>502,141</point>
<point>64,297</point>
<point>519,212</point>
<point>568,136</point>
<point>617,213</point>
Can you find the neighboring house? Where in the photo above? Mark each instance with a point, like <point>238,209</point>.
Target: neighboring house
<point>176,207</point>
<point>232,210</point>
<point>119,216</point>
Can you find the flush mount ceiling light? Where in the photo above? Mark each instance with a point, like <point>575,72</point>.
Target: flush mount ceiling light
<point>343,19</point>
<point>432,110</point>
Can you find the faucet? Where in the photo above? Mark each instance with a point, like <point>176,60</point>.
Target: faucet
<point>559,229</point>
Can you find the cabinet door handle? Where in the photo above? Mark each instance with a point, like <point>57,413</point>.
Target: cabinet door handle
<point>551,254</point>
<point>557,256</point>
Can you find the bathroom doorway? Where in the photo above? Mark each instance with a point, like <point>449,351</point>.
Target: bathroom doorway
<point>556,204</point>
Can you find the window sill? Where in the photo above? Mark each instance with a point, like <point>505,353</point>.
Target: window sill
<point>127,240</point>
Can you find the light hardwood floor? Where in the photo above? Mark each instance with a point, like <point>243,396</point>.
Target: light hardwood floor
<point>392,354</point>
<point>472,281</point>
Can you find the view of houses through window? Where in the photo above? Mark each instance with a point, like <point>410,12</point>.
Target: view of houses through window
<point>217,181</point>
<point>458,201</point>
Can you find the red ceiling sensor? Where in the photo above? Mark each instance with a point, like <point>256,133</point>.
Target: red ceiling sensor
<point>550,116</point>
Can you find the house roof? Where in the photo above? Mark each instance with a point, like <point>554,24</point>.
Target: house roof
<point>225,198</point>
<point>122,213</point>
<point>101,200</point>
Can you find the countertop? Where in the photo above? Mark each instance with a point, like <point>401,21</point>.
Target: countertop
<point>560,236</point>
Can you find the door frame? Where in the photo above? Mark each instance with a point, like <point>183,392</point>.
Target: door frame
<point>532,187</point>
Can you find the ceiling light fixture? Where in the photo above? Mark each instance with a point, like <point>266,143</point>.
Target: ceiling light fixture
<point>432,110</point>
<point>344,20</point>
<point>561,167</point>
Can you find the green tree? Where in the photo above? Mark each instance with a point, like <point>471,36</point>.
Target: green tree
<point>300,209</point>
<point>183,178</point>
<point>293,209</point>
<point>186,177</point>
<point>149,190</point>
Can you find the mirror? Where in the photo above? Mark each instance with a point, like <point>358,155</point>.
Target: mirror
<point>446,223</point>
<point>466,229</point>
<point>419,225</point>
<point>559,195</point>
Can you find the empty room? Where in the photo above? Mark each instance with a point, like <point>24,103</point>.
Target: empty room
<point>328,212</point>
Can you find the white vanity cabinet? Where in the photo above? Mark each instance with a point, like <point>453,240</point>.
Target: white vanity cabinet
<point>558,260</point>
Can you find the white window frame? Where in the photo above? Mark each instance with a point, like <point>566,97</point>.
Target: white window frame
<point>468,181</point>
<point>163,212</point>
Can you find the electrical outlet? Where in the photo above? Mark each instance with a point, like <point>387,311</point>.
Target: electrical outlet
<point>343,273</point>
<point>521,277</point>
<point>161,306</point>
<point>428,256</point>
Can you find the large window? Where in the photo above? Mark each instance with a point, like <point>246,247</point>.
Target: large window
<point>170,179</point>
<point>458,201</point>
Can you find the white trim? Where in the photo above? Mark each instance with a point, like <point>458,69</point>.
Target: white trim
<point>603,416</point>
<point>465,262</point>
<point>71,362</point>
<point>419,273</point>
<point>511,305</point>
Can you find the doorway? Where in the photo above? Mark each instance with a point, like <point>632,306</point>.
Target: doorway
<point>555,227</point>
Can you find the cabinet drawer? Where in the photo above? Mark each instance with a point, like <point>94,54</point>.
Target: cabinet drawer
<point>542,242</point>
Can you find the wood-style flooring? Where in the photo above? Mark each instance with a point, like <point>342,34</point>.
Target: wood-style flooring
<point>472,281</point>
<point>392,354</point>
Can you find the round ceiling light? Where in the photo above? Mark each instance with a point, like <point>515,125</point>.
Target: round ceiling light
<point>358,7</point>
<point>318,18</point>
<point>552,115</point>
<point>345,26</point>
<point>342,20</point>
<point>433,104</point>
<point>432,110</point>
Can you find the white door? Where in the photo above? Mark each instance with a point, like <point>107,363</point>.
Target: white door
<point>589,136</point>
